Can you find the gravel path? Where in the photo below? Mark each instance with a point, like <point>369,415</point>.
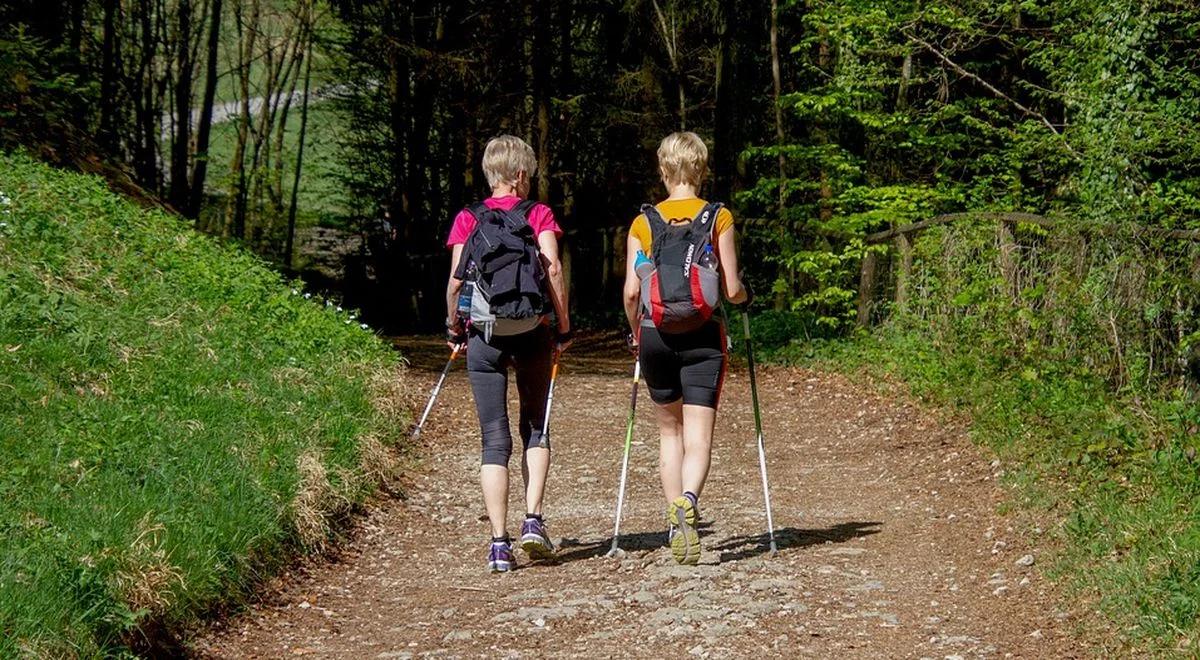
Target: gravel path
<point>891,544</point>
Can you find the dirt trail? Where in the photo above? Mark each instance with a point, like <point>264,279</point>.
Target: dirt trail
<point>890,542</point>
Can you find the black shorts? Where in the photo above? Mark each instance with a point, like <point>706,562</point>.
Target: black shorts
<point>690,366</point>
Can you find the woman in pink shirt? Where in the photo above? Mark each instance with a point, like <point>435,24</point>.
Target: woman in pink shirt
<point>526,344</point>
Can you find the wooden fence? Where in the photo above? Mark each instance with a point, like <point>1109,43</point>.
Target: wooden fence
<point>1006,224</point>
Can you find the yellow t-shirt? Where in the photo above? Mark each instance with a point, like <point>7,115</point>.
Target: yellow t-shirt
<point>678,211</point>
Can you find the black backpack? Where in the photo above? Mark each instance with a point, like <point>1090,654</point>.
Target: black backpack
<point>502,265</point>
<point>684,289</point>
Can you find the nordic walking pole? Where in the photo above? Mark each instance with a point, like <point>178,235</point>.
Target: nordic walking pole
<point>637,375</point>
<point>762,452</point>
<point>436,390</point>
<point>550,399</point>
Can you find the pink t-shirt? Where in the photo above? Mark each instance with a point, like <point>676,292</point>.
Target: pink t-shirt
<point>541,218</point>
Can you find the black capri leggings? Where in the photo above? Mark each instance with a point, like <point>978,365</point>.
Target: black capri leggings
<point>487,366</point>
<point>689,366</point>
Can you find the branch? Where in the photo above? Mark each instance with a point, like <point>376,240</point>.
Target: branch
<point>992,88</point>
<point>667,33</point>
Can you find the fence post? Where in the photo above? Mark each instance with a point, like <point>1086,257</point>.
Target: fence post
<point>1008,247</point>
<point>904,247</point>
<point>866,286</point>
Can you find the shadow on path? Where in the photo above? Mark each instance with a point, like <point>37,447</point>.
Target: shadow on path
<point>744,547</point>
<point>636,542</point>
<point>593,353</point>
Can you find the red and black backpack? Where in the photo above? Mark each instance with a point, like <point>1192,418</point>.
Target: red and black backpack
<point>684,289</point>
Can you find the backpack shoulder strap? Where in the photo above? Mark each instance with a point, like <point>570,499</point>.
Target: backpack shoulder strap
<point>524,207</point>
<point>477,210</point>
<point>657,224</point>
<point>706,219</point>
<point>518,216</point>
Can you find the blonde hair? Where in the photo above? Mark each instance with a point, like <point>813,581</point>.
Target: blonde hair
<point>683,158</point>
<point>505,157</point>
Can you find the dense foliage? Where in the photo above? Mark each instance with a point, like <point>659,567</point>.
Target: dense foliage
<point>174,420</point>
<point>1073,342</point>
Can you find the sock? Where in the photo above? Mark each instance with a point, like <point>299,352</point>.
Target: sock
<point>533,516</point>
<point>501,539</point>
<point>691,496</point>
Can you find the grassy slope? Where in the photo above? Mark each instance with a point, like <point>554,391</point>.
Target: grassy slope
<point>174,420</point>
<point>1130,529</point>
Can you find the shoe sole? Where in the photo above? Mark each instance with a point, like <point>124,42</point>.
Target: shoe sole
<point>685,546</point>
<point>499,566</point>
<point>536,547</point>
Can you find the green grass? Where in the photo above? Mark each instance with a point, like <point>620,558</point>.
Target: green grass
<point>1117,471</point>
<point>175,420</point>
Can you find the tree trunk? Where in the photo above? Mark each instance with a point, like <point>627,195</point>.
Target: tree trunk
<point>777,87</point>
<point>108,79</point>
<point>237,168</point>
<point>204,125</point>
<point>181,144</point>
<point>670,36</point>
<point>291,223</point>
<point>145,111</point>
<point>541,95</point>
<point>566,86</point>
<point>724,142</point>
<point>824,63</point>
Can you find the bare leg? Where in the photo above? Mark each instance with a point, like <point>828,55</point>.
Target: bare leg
<point>535,464</point>
<point>697,446</point>
<point>494,479</point>
<point>670,448</point>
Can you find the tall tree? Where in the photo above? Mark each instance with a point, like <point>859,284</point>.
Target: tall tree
<point>204,124</point>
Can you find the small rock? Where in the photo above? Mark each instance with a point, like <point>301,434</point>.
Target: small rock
<point>644,597</point>
<point>304,605</point>
<point>1026,560</point>
<point>1024,582</point>
<point>1037,634</point>
<point>696,650</point>
<point>457,636</point>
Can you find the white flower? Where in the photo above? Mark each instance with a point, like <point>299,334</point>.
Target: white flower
<point>328,303</point>
<point>295,292</point>
<point>364,326</point>
<point>347,321</point>
<point>339,309</point>
<point>307,295</point>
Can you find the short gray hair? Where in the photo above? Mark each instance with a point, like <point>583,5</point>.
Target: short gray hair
<point>505,157</point>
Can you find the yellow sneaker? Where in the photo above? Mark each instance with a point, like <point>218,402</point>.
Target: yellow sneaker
<point>685,540</point>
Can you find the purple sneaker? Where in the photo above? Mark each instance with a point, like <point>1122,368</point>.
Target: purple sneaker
<point>535,541</point>
<point>500,557</point>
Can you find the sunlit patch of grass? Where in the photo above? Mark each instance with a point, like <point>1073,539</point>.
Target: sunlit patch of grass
<point>176,421</point>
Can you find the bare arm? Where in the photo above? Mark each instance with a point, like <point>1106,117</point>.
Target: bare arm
<point>633,284</point>
<point>727,255</point>
<point>453,286</point>
<point>548,242</point>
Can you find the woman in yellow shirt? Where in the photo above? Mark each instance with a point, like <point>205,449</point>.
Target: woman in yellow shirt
<point>683,370</point>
